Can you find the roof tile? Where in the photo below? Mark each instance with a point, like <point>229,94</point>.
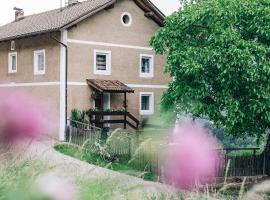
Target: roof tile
<point>109,85</point>
<point>50,20</point>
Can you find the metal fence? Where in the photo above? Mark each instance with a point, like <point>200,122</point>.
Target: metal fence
<point>78,133</point>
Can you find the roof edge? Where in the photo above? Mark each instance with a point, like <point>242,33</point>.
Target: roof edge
<point>85,16</point>
<point>29,35</point>
<point>151,11</point>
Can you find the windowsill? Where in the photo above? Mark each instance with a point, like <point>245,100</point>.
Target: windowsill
<point>99,72</point>
<point>146,112</point>
<point>39,73</point>
<point>12,72</point>
<point>146,76</point>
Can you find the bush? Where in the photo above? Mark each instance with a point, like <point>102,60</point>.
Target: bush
<point>79,116</point>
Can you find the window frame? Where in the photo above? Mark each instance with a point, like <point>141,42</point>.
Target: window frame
<point>108,62</point>
<point>151,73</point>
<point>151,102</point>
<point>36,70</point>
<point>130,19</point>
<point>10,70</point>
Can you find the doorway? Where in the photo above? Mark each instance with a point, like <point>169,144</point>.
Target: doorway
<point>106,106</point>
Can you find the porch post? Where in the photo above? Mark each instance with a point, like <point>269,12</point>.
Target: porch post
<point>125,106</point>
<point>102,109</point>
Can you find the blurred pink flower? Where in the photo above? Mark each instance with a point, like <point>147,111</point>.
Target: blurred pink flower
<point>54,186</point>
<point>21,117</point>
<point>191,158</point>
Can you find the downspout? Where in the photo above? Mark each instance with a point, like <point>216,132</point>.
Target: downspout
<point>66,74</point>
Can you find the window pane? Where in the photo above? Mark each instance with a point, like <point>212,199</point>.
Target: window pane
<point>145,102</point>
<point>40,58</point>
<point>13,62</point>
<point>145,65</point>
<point>101,61</point>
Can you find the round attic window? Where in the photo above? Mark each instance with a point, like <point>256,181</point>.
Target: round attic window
<point>126,19</point>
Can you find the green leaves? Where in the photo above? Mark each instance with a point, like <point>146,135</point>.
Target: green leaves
<point>218,54</point>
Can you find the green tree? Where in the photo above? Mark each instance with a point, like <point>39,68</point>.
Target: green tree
<point>219,57</point>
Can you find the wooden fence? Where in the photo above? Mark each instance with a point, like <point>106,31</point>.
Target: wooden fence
<point>145,157</point>
<point>267,163</point>
<point>253,164</point>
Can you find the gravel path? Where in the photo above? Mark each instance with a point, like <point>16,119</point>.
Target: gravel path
<point>71,167</point>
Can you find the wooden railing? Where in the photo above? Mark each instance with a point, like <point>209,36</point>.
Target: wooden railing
<point>128,118</point>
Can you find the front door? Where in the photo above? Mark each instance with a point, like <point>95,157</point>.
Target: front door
<point>106,106</point>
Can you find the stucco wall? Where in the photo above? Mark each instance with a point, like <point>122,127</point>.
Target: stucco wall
<point>106,27</point>
<point>25,58</point>
<point>48,94</point>
<point>125,65</point>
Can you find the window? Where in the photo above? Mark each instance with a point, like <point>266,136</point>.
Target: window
<point>146,103</point>
<point>39,62</point>
<point>102,62</point>
<point>146,66</point>
<point>12,62</point>
<point>126,19</point>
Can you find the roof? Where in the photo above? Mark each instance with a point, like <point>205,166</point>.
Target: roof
<point>53,20</point>
<point>113,86</point>
<point>66,17</point>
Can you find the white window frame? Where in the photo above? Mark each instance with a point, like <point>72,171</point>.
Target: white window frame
<point>10,70</point>
<point>36,70</point>
<point>151,73</point>
<point>108,62</point>
<point>151,111</point>
<point>130,19</point>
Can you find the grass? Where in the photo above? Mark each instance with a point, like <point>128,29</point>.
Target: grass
<point>17,178</point>
<point>120,166</point>
<point>18,181</point>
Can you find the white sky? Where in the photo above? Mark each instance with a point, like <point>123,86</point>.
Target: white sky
<point>36,6</point>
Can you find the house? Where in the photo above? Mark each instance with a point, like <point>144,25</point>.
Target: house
<point>90,54</point>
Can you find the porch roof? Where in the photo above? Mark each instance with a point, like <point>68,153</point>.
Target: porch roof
<point>111,86</point>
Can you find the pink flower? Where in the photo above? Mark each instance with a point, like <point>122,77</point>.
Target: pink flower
<point>21,117</point>
<point>191,157</point>
<point>55,186</point>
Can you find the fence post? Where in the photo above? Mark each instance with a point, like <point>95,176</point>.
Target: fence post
<point>264,163</point>
<point>267,166</point>
<point>254,161</point>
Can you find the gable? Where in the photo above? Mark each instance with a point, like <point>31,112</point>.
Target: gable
<point>55,20</point>
<point>106,26</point>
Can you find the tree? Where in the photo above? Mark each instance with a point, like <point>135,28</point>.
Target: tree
<point>219,57</point>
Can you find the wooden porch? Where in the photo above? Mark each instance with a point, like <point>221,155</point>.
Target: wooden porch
<point>98,114</point>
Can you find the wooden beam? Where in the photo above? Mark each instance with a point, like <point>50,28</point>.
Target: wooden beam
<point>149,14</point>
<point>109,7</point>
<point>102,108</point>
<point>125,106</point>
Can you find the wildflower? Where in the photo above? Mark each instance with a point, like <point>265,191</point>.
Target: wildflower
<point>191,158</point>
<point>21,117</point>
<point>54,187</point>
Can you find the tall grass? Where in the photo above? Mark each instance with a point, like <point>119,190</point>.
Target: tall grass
<point>18,177</point>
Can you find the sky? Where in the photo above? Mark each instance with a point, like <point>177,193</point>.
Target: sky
<point>36,6</point>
